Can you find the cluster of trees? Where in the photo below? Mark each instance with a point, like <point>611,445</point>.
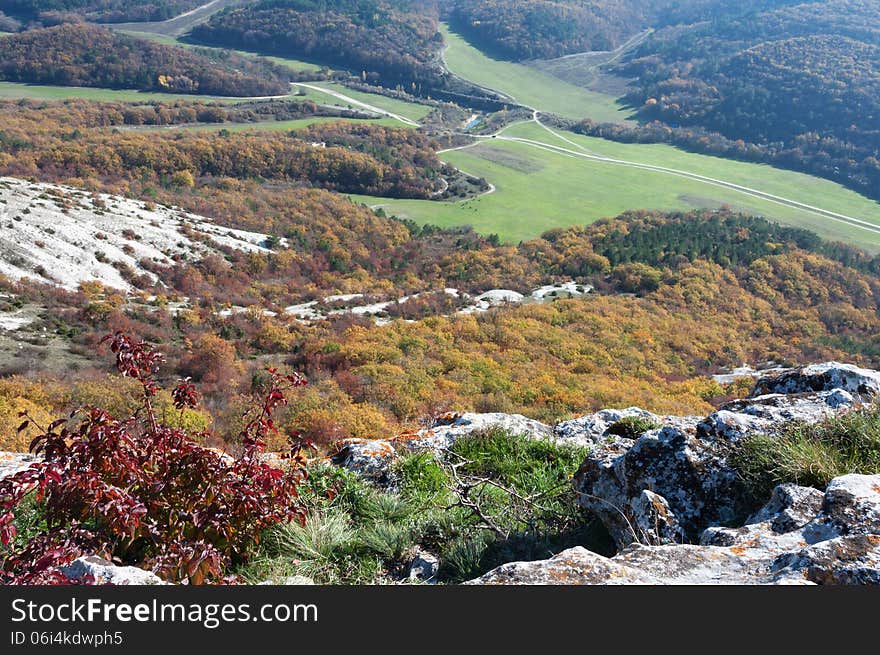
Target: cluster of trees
<point>796,83</point>
<point>545,29</point>
<point>32,145</point>
<point>88,55</point>
<point>78,114</point>
<point>380,40</point>
<point>100,11</point>
<point>406,151</point>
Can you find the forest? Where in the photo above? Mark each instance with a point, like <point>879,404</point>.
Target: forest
<point>677,296</point>
<point>88,55</point>
<point>798,82</point>
<point>31,144</point>
<point>544,29</point>
<point>50,12</point>
<point>377,39</point>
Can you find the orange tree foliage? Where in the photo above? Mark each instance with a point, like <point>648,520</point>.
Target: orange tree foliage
<point>667,311</point>
<point>554,360</point>
<point>46,145</point>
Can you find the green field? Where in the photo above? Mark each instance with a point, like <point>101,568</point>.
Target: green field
<point>538,189</point>
<point>401,108</point>
<point>268,126</point>
<point>528,85</point>
<point>41,92</point>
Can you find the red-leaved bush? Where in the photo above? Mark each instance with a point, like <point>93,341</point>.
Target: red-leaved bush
<point>139,492</point>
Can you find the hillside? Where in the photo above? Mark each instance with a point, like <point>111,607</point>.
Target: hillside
<point>676,298</point>
<point>87,55</point>
<point>99,11</point>
<point>380,40</point>
<point>542,29</point>
<point>39,142</point>
<point>799,81</point>
<point>63,236</point>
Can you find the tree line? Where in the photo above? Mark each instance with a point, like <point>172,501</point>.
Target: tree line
<point>50,12</point>
<point>375,39</point>
<point>88,55</point>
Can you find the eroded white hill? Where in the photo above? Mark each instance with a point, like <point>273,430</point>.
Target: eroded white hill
<point>65,236</point>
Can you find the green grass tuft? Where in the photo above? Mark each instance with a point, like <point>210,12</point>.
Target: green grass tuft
<point>810,454</point>
<point>632,427</point>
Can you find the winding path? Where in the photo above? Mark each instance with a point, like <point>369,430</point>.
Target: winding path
<point>359,103</point>
<point>181,23</point>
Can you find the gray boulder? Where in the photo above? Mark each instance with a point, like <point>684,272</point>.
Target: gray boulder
<point>371,459</point>
<point>685,462</point>
<point>861,382</point>
<point>697,487</point>
<point>595,428</point>
<point>762,414</point>
<point>802,536</point>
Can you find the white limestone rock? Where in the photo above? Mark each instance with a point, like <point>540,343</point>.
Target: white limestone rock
<point>452,427</point>
<point>104,572</point>
<point>372,459</point>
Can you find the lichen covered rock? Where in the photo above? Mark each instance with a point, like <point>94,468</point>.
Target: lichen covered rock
<point>828,376</point>
<point>802,536</point>
<point>450,428</point>
<point>685,462</point>
<point>697,486</point>
<point>761,414</point>
<point>372,459</point>
<point>597,428</point>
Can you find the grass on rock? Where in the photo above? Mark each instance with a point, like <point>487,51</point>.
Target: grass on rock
<point>358,533</point>
<point>810,454</point>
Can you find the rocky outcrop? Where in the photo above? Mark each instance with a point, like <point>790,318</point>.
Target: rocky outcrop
<point>373,458</point>
<point>862,382</point>
<point>598,428</point>
<point>801,536</point>
<point>687,476</point>
<point>451,427</point>
<point>760,414</point>
<point>683,465</point>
